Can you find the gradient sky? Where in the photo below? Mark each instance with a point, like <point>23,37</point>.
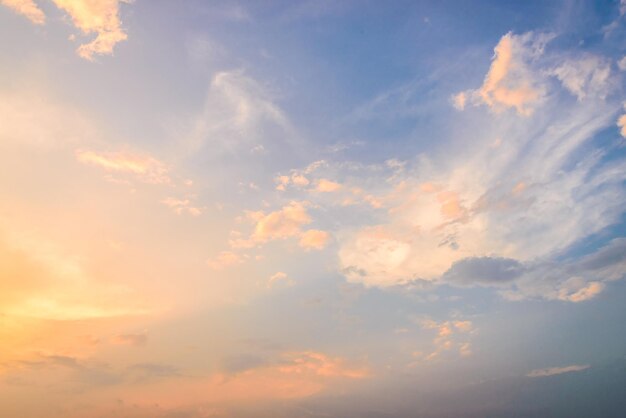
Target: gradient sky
<point>312,209</point>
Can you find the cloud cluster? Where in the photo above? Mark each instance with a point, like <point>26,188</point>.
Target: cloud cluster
<point>450,336</point>
<point>99,17</point>
<point>287,222</point>
<point>526,186</point>
<point>95,17</point>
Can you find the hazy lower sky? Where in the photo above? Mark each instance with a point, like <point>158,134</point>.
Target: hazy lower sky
<point>317,208</point>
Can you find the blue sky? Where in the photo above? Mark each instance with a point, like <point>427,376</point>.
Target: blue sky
<point>223,209</point>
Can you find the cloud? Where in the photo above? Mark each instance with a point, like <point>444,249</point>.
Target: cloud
<point>493,198</point>
<point>279,277</point>
<point>314,239</point>
<point>135,340</point>
<point>509,82</point>
<point>31,119</point>
<point>621,124</point>
<point>99,17</point>
<point>297,179</point>
<point>551,371</point>
<point>459,100</point>
<point>281,224</point>
<point>27,8</point>
<point>326,186</point>
<point>143,167</point>
<point>572,280</point>
<point>225,259</point>
<point>586,76</point>
<point>576,289</point>
<point>239,113</point>
<point>181,206</point>
<point>487,270</point>
<point>50,282</point>
<point>451,336</point>
<point>319,364</point>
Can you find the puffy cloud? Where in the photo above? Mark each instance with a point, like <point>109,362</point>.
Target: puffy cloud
<point>225,259</point>
<point>297,179</point>
<point>551,371</point>
<point>145,168</point>
<point>326,186</point>
<point>314,239</point>
<point>281,224</point>
<point>100,17</point>
<point>182,206</point>
<point>27,8</point>
<point>509,82</point>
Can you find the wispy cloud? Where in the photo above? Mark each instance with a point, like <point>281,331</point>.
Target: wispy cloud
<point>143,167</point>
<point>552,371</point>
<point>27,8</point>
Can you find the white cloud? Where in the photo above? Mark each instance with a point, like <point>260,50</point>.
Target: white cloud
<point>239,113</point>
<point>585,76</point>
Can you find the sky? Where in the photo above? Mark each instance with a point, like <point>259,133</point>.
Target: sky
<point>312,208</point>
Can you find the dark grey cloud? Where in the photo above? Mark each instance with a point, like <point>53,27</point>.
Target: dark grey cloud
<point>484,270</point>
<point>241,363</point>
